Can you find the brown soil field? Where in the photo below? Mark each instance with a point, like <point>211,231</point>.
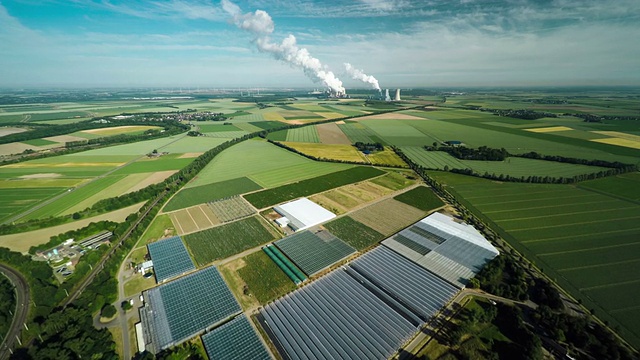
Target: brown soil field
<point>153,178</point>
<point>16,148</point>
<point>331,134</point>
<point>193,219</point>
<point>118,129</point>
<point>341,122</point>
<point>348,197</point>
<point>190,155</point>
<point>23,241</point>
<point>10,130</point>
<point>388,216</point>
<point>41,176</point>
<point>390,116</point>
<point>65,138</point>
<point>73,164</point>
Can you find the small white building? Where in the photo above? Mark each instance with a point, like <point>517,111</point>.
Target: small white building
<point>302,214</point>
<point>282,222</point>
<point>146,266</point>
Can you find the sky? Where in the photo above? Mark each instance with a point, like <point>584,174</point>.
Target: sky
<point>402,43</point>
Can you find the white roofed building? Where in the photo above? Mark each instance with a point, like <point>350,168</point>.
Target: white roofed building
<point>303,214</point>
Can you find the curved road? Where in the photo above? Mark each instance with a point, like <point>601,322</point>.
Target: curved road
<point>21,311</point>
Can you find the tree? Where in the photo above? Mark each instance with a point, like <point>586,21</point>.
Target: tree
<point>126,306</point>
<point>108,311</point>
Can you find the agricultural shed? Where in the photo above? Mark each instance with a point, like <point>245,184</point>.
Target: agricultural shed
<point>146,266</point>
<point>179,310</point>
<point>235,340</point>
<point>170,258</point>
<point>363,311</point>
<point>314,251</point>
<point>452,250</point>
<point>303,213</point>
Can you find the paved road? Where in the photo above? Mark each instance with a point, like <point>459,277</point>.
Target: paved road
<point>21,311</point>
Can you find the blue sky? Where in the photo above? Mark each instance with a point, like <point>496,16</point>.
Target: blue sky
<point>402,43</point>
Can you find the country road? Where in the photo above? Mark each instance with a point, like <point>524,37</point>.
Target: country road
<point>21,311</point>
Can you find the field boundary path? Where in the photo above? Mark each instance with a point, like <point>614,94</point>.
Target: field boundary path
<point>22,310</point>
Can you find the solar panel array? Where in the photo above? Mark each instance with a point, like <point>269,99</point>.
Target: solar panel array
<point>314,251</point>
<point>235,340</point>
<point>170,258</point>
<point>453,251</point>
<point>178,310</point>
<point>366,311</point>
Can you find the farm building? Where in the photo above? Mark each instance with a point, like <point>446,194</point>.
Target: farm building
<point>302,214</point>
<point>452,250</point>
<point>146,266</point>
<point>170,258</point>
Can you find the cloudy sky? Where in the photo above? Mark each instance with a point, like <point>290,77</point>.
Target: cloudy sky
<point>107,43</point>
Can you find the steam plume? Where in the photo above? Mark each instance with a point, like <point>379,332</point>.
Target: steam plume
<point>357,74</point>
<point>260,24</point>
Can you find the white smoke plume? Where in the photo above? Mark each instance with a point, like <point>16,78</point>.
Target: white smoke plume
<point>260,24</point>
<point>357,74</point>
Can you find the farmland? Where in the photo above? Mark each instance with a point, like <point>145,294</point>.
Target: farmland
<point>210,192</point>
<point>347,197</point>
<point>226,240</point>
<point>388,216</point>
<point>354,233</point>
<point>265,280</point>
<point>586,240</point>
<point>268,166</point>
<point>513,166</point>
<point>307,134</point>
<point>231,209</point>
<point>333,152</point>
<point>420,197</point>
<point>13,202</point>
<point>193,219</point>
<point>283,193</point>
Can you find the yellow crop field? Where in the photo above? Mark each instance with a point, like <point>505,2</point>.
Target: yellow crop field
<point>549,129</point>
<point>329,151</point>
<point>634,144</point>
<point>273,116</point>
<point>620,135</point>
<point>119,130</point>
<point>330,115</point>
<point>386,157</point>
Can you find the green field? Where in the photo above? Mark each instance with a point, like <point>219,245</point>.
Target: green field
<point>357,132</point>
<point>626,186</point>
<point>307,134</point>
<point>39,142</point>
<point>153,165</point>
<point>226,240</point>
<point>513,166</point>
<point>263,163</point>
<point>585,240</point>
<point>269,197</point>
<point>74,197</point>
<point>204,193</point>
<point>265,280</point>
<point>395,180</point>
<point>353,232</point>
<point>421,197</point>
<point>14,202</point>
<point>209,128</point>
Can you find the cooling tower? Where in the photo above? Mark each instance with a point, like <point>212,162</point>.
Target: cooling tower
<point>386,95</point>
<point>397,98</point>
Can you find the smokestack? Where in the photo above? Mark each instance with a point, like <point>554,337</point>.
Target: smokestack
<point>357,74</point>
<point>259,24</point>
<point>397,98</point>
<point>386,95</point>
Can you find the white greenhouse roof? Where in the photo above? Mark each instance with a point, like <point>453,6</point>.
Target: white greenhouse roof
<point>304,213</point>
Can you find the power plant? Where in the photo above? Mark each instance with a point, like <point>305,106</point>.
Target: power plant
<point>397,98</point>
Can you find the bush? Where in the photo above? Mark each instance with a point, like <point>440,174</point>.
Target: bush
<point>108,311</point>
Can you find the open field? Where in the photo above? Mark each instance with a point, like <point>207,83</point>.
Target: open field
<point>388,216</point>
<point>23,241</point>
<point>211,192</point>
<point>161,227</point>
<point>354,233</point>
<point>586,240</point>
<point>226,240</point>
<point>307,134</point>
<point>386,157</point>
<point>13,202</point>
<point>347,197</point>
<point>326,151</point>
<point>332,134</point>
<point>395,180</point>
<point>357,132</point>
<point>420,197</point>
<point>626,186</point>
<point>265,198</point>
<point>513,166</point>
<point>265,280</point>
<point>117,130</point>
<point>264,163</point>
<point>193,219</point>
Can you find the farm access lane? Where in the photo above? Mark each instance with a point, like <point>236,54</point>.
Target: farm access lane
<point>22,309</point>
